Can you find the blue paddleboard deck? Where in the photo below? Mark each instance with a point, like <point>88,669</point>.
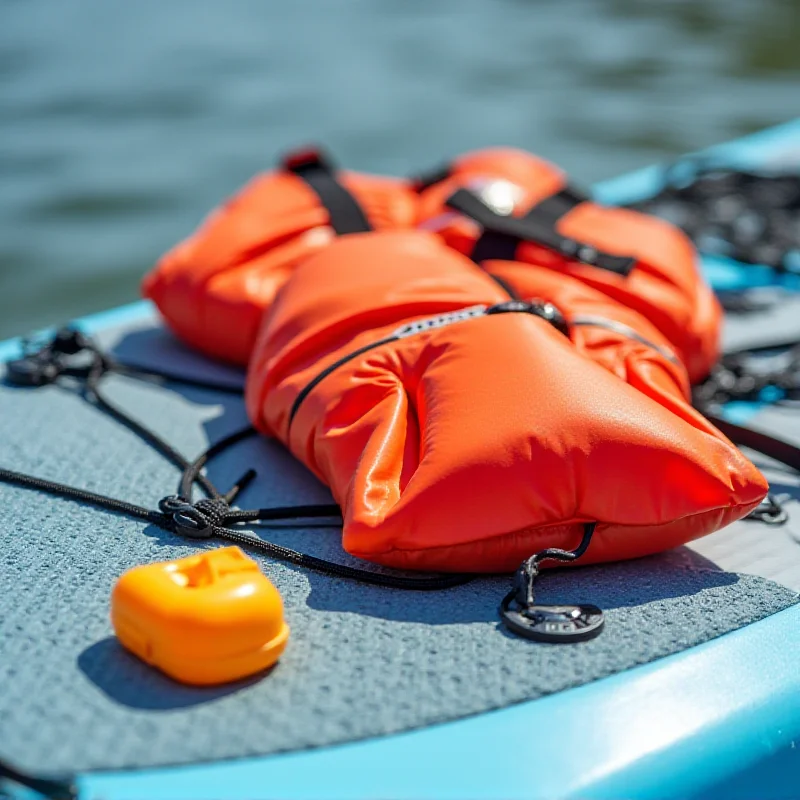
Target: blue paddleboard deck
<point>381,692</point>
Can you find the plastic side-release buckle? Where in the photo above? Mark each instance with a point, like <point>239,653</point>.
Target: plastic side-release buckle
<point>305,158</point>
<point>207,619</point>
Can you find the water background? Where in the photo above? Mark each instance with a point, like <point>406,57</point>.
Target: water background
<point>123,123</point>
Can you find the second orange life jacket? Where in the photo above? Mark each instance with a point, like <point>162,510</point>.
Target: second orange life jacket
<point>506,205</point>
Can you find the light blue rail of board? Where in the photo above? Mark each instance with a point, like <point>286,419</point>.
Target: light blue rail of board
<point>718,720</point>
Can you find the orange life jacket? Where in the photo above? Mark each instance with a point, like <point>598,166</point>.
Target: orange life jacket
<point>508,204</point>
<point>462,431</point>
<point>213,288</point>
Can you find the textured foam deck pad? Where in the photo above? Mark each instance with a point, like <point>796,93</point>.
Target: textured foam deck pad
<point>362,661</point>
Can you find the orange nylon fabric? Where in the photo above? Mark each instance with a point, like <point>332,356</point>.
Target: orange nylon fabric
<point>665,285</point>
<point>472,445</point>
<point>611,334</point>
<point>213,288</point>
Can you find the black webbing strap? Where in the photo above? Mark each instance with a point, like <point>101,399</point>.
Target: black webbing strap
<point>494,245</point>
<point>346,214</point>
<point>502,234</point>
<point>424,180</point>
<point>552,208</point>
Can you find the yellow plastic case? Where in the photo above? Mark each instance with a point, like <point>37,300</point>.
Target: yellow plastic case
<point>206,619</point>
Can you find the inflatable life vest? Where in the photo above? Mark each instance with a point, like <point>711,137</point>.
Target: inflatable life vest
<point>462,431</point>
<point>505,204</point>
<point>213,288</point>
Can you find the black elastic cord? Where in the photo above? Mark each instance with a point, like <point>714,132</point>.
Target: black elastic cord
<point>203,511</point>
<point>161,377</point>
<point>80,495</point>
<point>167,522</point>
<point>44,360</point>
<point>191,471</point>
<point>531,228</point>
<point>592,321</point>
<point>523,592</point>
<point>335,570</point>
<point>776,449</point>
<point>158,443</point>
<point>346,215</point>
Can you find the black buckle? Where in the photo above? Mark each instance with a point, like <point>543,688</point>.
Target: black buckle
<point>540,308</point>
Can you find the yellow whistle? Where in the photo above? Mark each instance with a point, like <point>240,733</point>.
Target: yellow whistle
<point>206,619</point>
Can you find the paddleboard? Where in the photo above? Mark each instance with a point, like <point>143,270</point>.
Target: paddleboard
<point>692,690</point>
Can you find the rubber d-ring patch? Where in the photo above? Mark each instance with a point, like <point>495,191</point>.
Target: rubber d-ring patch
<point>555,624</point>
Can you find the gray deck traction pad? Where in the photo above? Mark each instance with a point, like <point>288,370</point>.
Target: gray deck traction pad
<point>362,661</point>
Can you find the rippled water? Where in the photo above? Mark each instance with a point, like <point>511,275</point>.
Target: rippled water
<point>121,124</point>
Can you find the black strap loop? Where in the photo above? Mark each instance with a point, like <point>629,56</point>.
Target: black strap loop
<point>507,232</point>
<point>529,569</point>
<point>346,215</point>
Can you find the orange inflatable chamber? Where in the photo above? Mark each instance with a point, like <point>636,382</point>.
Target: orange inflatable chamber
<point>510,205</point>
<point>213,288</point>
<point>460,430</point>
